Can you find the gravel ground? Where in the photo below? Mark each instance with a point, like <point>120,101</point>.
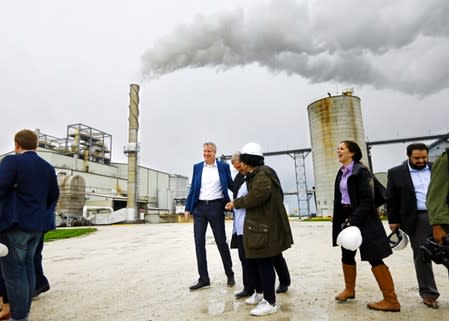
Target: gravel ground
<point>142,273</point>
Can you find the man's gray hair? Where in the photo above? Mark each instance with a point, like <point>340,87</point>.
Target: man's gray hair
<point>211,145</point>
<point>235,157</point>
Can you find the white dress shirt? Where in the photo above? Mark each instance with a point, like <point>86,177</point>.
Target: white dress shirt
<point>421,180</point>
<point>210,183</point>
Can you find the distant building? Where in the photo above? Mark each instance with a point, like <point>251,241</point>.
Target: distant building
<point>85,152</point>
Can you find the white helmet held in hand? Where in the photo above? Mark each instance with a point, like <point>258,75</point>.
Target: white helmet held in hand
<point>350,238</point>
<point>3,250</point>
<point>398,240</point>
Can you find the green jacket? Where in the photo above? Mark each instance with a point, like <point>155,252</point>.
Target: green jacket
<point>437,193</point>
<point>266,229</point>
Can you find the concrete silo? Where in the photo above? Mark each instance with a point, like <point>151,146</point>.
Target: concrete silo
<point>331,120</point>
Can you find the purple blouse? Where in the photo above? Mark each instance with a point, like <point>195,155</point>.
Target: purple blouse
<point>347,171</point>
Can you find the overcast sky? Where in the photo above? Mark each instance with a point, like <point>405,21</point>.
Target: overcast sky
<point>225,71</point>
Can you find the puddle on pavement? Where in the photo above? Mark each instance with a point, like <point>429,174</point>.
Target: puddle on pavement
<point>218,307</point>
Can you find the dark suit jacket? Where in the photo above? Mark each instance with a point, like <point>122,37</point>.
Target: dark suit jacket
<point>239,179</point>
<point>28,193</point>
<point>225,179</point>
<point>401,198</point>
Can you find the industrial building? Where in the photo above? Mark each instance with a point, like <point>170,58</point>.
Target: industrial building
<point>89,180</point>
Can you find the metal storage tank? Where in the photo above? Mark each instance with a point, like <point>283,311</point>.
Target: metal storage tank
<point>331,120</point>
<point>72,195</point>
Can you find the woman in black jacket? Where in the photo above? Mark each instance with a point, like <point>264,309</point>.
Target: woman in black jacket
<point>354,205</point>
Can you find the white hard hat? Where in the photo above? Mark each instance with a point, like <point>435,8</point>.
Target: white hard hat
<point>3,250</point>
<point>350,238</point>
<point>398,240</point>
<point>252,149</point>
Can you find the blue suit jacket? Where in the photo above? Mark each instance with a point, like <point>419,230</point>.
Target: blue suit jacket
<point>225,179</point>
<point>28,193</point>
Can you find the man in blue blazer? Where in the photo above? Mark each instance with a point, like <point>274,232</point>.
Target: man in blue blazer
<point>207,198</point>
<point>28,195</point>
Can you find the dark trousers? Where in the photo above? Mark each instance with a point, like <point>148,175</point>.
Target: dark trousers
<point>41,280</point>
<point>280,265</point>
<point>3,288</point>
<point>213,214</point>
<point>252,283</point>
<point>424,271</point>
<point>247,284</point>
<point>262,275</point>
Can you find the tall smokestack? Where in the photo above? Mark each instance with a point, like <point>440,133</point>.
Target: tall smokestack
<point>131,150</point>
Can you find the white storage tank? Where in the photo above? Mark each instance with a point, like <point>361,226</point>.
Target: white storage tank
<point>72,189</point>
<point>331,120</point>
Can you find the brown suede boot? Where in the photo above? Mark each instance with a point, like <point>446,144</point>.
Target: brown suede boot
<point>349,272</point>
<point>390,301</point>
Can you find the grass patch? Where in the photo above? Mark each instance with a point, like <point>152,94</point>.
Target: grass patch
<point>60,234</point>
<point>329,219</point>
<point>316,219</point>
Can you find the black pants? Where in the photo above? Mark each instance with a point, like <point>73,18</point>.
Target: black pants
<point>213,214</point>
<point>247,284</point>
<point>279,263</point>
<point>282,270</point>
<point>3,288</point>
<point>263,277</point>
<point>424,270</point>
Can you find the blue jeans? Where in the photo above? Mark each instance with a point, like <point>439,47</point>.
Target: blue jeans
<point>18,270</point>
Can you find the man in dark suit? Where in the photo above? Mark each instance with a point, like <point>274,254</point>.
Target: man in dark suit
<point>28,195</point>
<point>207,198</point>
<point>406,208</point>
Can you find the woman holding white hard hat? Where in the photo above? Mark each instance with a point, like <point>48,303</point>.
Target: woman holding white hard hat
<point>356,224</point>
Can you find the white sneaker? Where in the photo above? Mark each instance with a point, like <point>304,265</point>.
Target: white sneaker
<point>264,308</point>
<point>254,299</point>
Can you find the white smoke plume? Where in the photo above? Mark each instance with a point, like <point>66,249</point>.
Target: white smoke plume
<point>401,45</point>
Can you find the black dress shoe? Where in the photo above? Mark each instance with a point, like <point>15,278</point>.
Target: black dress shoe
<point>243,294</point>
<point>42,289</point>
<point>282,288</point>
<point>231,281</point>
<point>431,303</point>
<point>200,285</point>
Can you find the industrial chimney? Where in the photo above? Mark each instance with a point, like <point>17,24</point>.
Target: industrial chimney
<point>131,150</point>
